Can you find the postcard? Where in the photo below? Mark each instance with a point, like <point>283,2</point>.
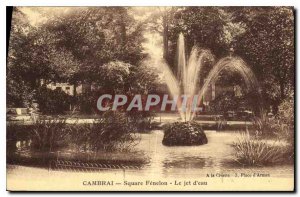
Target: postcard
<point>150,99</point>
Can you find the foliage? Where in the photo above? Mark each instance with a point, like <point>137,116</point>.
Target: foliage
<point>114,77</point>
<point>87,102</point>
<point>262,36</point>
<point>272,128</point>
<point>224,102</point>
<point>113,36</point>
<point>268,46</point>
<point>141,119</point>
<point>82,44</point>
<point>281,126</point>
<point>15,132</point>
<point>52,101</point>
<point>26,57</point>
<point>20,79</point>
<point>227,101</point>
<point>48,135</point>
<point>286,112</point>
<point>184,134</point>
<point>111,132</point>
<point>65,48</point>
<point>252,152</point>
<point>202,26</point>
<point>144,78</point>
<point>19,94</point>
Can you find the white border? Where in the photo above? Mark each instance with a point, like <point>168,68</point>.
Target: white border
<point>4,3</point>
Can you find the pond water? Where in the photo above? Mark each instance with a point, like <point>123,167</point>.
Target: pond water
<point>187,161</point>
<point>217,156</point>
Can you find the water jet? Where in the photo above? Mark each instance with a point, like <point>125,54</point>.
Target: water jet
<point>187,83</point>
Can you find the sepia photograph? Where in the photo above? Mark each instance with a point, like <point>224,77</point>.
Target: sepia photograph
<point>190,98</point>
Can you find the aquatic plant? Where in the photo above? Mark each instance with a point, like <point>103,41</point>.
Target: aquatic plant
<point>111,132</point>
<point>253,152</point>
<point>48,135</point>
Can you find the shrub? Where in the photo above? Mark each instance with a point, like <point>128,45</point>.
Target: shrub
<point>43,135</point>
<point>286,118</point>
<point>280,126</point>
<point>87,102</point>
<point>227,101</point>
<point>15,132</point>
<point>253,152</point>
<point>18,93</point>
<point>264,128</point>
<point>48,135</point>
<point>141,119</point>
<point>111,132</point>
<point>184,134</point>
<point>52,101</point>
<point>223,103</point>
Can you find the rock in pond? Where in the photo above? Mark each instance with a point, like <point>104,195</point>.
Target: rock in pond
<point>184,134</point>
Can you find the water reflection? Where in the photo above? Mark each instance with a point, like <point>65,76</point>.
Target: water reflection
<point>196,161</point>
<point>23,145</point>
<point>185,161</point>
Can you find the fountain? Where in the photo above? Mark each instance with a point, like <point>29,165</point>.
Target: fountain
<point>186,84</point>
<point>188,76</point>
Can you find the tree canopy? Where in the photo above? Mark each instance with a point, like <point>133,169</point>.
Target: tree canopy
<point>104,45</point>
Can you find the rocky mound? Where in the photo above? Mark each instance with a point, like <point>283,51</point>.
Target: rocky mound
<point>184,134</point>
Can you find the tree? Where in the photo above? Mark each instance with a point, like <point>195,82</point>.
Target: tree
<point>96,36</point>
<point>144,79</point>
<point>114,77</point>
<point>262,36</point>
<point>26,61</point>
<point>268,46</point>
<point>72,47</point>
<point>159,21</point>
<point>202,26</point>
<point>52,101</point>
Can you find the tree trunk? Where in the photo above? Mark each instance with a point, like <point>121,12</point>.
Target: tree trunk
<point>165,37</point>
<point>74,90</point>
<point>123,34</point>
<point>123,27</point>
<point>282,94</point>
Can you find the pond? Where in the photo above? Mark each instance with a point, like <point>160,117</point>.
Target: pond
<point>188,161</point>
<point>217,156</point>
